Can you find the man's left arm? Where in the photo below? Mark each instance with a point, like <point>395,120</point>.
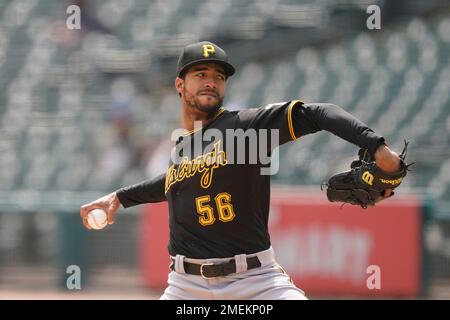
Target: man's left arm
<point>313,117</point>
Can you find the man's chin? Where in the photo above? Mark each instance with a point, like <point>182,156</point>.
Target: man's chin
<point>208,108</point>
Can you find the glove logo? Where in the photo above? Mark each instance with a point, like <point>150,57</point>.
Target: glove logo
<point>392,182</point>
<point>367,177</point>
<point>207,49</point>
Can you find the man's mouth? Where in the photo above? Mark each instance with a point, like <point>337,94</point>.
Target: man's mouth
<point>209,94</point>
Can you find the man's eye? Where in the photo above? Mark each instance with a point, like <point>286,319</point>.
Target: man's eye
<point>200,74</point>
<point>220,77</point>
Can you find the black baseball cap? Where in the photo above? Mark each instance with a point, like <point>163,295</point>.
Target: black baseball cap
<point>202,52</point>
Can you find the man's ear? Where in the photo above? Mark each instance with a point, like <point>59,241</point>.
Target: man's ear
<point>179,85</point>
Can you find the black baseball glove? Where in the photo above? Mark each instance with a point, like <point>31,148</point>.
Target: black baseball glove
<point>365,183</point>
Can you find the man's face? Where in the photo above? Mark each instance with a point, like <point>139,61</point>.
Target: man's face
<point>203,87</point>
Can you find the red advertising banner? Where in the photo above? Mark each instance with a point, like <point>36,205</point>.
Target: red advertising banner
<point>325,249</point>
<point>329,250</point>
<point>153,241</point>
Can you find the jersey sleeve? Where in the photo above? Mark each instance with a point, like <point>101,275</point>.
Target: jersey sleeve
<point>313,117</point>
<point>147,191</point>
<point>294,119</point>
<point>273,116</point>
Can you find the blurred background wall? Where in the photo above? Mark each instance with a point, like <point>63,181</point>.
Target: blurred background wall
<point>84,112</point>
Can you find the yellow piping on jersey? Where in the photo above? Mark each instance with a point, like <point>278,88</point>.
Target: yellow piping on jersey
<point>291,127</point>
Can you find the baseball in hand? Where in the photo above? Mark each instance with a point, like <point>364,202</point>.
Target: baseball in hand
<point>97,219</point>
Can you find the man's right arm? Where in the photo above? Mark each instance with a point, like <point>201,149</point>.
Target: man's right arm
<point>147,191</point>
<point>144,192</point>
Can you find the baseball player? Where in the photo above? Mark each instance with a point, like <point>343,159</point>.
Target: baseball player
<point>218,209</point>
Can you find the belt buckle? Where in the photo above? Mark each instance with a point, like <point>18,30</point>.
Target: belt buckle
<point>201,270</point>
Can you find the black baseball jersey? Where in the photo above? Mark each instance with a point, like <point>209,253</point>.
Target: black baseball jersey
<point>218,197</point>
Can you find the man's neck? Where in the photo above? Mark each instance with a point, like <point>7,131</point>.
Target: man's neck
<point>191,115</point>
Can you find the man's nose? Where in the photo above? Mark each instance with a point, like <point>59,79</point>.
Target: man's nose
<point>211,83</point>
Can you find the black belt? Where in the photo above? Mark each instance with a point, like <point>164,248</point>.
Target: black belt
<point>210,270</point>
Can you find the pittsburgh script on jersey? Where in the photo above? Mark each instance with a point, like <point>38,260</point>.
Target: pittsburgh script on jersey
<point>205,163</point>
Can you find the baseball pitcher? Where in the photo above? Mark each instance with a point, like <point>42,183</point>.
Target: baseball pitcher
<point>218,206</point>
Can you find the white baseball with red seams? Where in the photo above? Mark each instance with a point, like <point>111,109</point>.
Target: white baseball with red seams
<point>97,219</point>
